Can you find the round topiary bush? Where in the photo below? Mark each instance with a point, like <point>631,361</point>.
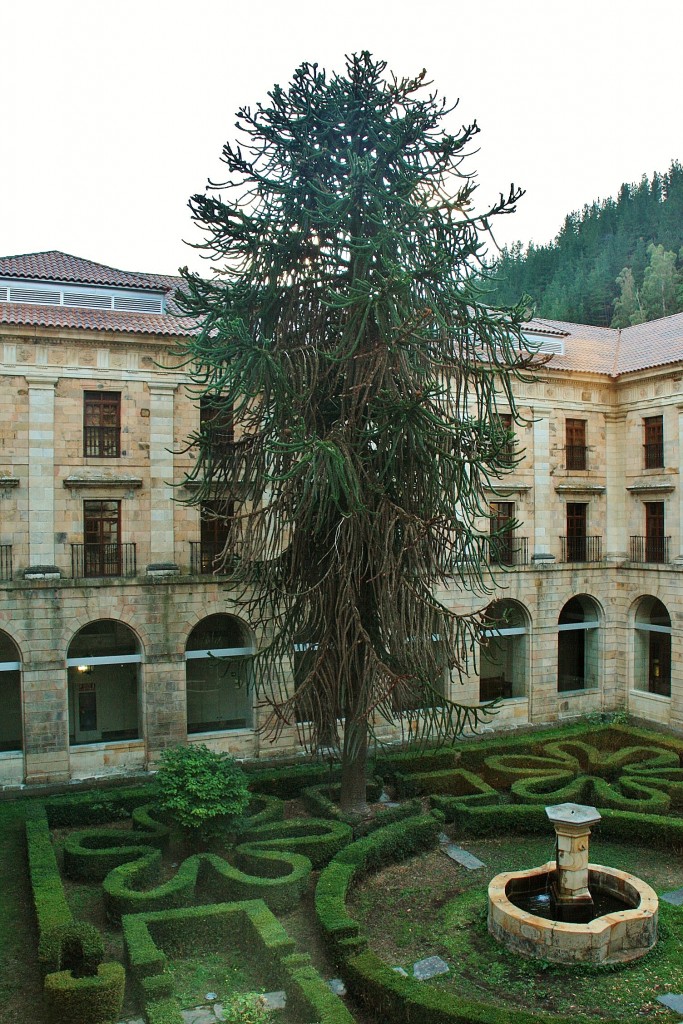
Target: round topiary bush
<point>203,792</point>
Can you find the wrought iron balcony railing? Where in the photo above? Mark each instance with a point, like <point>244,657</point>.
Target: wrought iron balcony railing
<point>581,549</point>
<point>654,550</point>
<point>103,560</point>
<point>5,561</point>
<point>205,559</point>
<point>508,551</point>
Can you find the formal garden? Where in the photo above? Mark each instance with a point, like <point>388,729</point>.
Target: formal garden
<point>110,913</point>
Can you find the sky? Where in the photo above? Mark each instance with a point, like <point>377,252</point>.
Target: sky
<point>114,114</point>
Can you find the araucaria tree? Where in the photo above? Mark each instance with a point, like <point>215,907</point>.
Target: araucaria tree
<point>344,336</point>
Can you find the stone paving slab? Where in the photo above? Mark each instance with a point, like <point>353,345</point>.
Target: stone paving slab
<point>673,1001</point>
<point>675,897</point>
<point>430,967</point>
<point>199,1015</point>
<point>275,1000</point>
<point>460,856</point>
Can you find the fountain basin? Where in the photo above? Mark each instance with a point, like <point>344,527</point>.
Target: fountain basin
<point>611,938</point>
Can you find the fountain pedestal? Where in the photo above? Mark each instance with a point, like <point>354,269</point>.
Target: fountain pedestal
<point>571,933</point>
<point>571,895</point>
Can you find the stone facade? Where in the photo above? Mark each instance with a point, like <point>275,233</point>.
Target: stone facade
<point>586,580</point>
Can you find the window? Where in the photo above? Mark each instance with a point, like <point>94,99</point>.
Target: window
<point>102,424</point>
<point>10,695</point>
<point>507,449</point>
<point>653,648</point>
<point>501,540</point>
<point>575,444</point>
<point>215,531</point>
<point>102,536</point>
<point>502,656</point>
<point>218,674</point>
<point>103,663</point>
<point>577,521</point>
<point>655,541</point>
<point>577,645</point>
<point>216,424</point>
<point>653,442</point>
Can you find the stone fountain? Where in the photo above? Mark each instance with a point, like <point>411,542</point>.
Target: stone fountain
<point>571,911</point>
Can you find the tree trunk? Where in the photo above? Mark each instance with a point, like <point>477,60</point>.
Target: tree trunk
<point>353,797</point>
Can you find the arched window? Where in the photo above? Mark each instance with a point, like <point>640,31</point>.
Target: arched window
<point>652,669</point>
<point>503,653</point>
<point>103,663</point>
<point>577,645</point>
<point>218,656</point>
<point>10,695</point>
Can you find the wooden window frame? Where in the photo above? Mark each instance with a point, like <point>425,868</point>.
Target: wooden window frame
<point>575,450</point>
<point>653,442</point>
<point>102,424</point>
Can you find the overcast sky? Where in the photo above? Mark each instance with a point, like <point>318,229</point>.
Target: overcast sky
<point>114,114</point>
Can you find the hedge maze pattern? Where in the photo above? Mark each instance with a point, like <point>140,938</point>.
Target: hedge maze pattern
<point>482,787</point>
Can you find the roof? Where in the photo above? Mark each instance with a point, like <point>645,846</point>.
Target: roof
<point>614,351</point>
<point>63,268</point>
<point>588,349</point>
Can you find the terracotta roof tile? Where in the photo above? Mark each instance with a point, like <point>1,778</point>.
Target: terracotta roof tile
<point>68,318</point>
<point>653,344</point>
<point>62,267</point>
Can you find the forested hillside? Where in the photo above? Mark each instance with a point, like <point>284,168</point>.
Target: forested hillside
<point>617,262</point>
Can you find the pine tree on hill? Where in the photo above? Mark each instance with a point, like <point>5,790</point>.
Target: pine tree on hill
<point>580,276</point>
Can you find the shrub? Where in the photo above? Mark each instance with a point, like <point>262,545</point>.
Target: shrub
<point>204,792</point>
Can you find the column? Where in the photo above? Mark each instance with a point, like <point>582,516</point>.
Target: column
<point>543,540</point>
<point>162,493</point>
<point>679,462</point>
<point>615,492</point>
<point>41,470</point>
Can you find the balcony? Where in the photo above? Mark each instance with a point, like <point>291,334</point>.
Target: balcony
<point>205,559</point>
<point>96,560</point>
<point>506,551</point>
<point>5,561</point>
<point>652,550</point>
<point>581,549</point>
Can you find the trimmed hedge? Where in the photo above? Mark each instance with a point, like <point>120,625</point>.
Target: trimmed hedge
<point>249,923</point>
<point>90,1000</point>
<point>78,987</point>
<point>468,787</point>
<point>319,839</point>
<point>98,806</point>
<point>323,801</point>
<point>393,998</point>
<point>394,843</point>
<point>528,819</point>
<point>281,880</point>
<point>287,781</point>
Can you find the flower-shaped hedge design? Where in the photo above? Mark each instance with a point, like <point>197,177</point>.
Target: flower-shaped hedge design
<point>643,778</point>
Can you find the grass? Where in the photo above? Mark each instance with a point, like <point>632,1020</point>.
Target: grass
<point>432,906</point>
<point>20,980</point>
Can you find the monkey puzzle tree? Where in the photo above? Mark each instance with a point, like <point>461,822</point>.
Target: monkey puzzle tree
<point>343,335</point>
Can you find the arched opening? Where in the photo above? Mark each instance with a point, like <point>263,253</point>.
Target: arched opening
<point>103,664</point>
<point>218,675</point>
<point>10,695</point>
<point>652,668</point>
<point>503,653</point>
<point>577,645</point>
